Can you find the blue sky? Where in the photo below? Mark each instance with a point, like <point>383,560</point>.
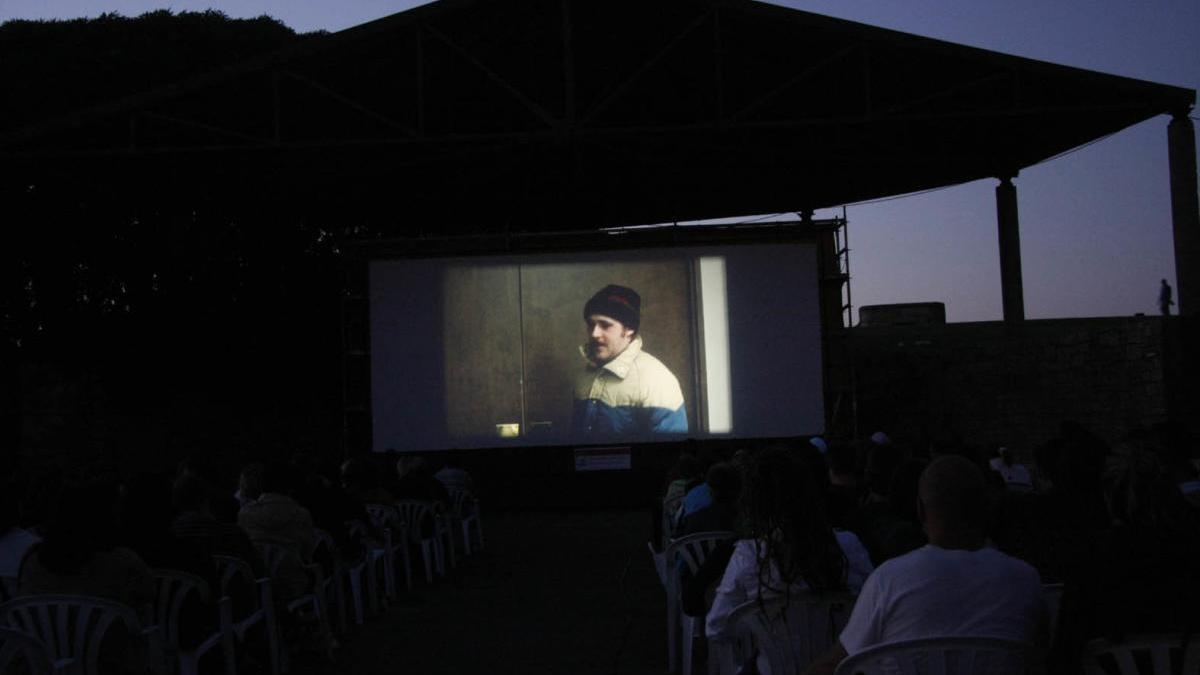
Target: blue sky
<point>1095,224</point>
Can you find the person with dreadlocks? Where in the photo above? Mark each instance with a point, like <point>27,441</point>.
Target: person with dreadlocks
<point>788,545</point>
<point>1142,576</point>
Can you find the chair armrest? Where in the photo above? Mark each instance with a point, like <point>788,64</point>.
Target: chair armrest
<point>155,653</point>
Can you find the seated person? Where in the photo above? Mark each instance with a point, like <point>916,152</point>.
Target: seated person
<point>954,586</point>
<point>275,518</point>
<point>195,522</point>
<point>1144,575</point>
<point>725,482</point>
<point>80,556</point>
<point>15,542</point>
<point>790,547</point>
<point>454,477</point>
<point>1016,476</point>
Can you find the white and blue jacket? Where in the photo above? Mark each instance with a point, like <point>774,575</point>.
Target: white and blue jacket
<point>631,395</point>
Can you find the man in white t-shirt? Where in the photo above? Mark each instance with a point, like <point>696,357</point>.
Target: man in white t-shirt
<point>955,586</point>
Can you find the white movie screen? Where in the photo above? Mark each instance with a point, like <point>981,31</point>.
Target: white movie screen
<point>611,346</point>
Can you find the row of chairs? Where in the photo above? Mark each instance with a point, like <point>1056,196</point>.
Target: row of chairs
<point>791,632</point>
<point>62,634</point>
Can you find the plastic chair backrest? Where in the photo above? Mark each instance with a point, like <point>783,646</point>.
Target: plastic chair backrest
<point>693,549</point>
<point>172,588</point>
<point>382,515</point>
<point>670,513</point>
<point>942,656</point>
<point>1153,653</point>
<point>792,631</point>
<point>274,555</point>
<point>462,503</point>
<point>230,568</point>
<point>73,627</point>
<point>22,653</point>
<point>413,513</point>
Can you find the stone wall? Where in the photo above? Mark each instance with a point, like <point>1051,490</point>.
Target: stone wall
<point>997,384</point>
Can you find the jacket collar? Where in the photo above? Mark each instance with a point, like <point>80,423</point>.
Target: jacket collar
<point>621,365</point>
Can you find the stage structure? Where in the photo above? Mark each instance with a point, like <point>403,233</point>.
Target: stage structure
<point>506,119</point>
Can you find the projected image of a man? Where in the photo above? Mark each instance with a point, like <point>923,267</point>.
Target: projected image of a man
<point>623,390</point>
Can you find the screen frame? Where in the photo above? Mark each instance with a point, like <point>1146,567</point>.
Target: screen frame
<point>358,422</point>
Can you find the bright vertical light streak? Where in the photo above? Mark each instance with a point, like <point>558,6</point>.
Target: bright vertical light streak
<point>716,344</point>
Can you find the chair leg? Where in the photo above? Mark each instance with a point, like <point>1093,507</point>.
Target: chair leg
<point>687,633</point>
<point>372,588</point>
<point>339,597</point>
<point>439,556</point>
<point>275,650</point>
<point>354,577</point>
<point>428,555</point>
<point>672,636</point>
<point>404,553</point>
<point>389,573</point>
<point>449,547</point>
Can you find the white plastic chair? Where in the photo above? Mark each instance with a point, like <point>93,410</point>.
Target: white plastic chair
<point>333,584</point>
<point>691,551</point>
<point>670,517</point>
<point>231,569</point>
<point>173,587</point>
<point>73,627</point>
<point>395,535</point>
<point>790,632</point>
<point>364,569</point>
<point>414,514</point>
<point>22,653</point>
<point>464,515</point>
<point>309,603</point>
<point>1152,650</point>
<point>943,656</point>
<point>1052,600</point>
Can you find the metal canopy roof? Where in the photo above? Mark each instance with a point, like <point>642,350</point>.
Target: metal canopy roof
<point>554,114</point>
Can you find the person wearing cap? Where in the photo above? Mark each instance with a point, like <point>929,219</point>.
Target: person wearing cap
<point>623,390</point>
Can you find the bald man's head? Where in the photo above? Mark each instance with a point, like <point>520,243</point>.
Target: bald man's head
<point>953,493</point>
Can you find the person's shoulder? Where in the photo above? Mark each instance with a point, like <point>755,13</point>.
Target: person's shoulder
<point>914,561</point>
<point>648,363</point>
<point>124,557</point>
<point>1010,563</point>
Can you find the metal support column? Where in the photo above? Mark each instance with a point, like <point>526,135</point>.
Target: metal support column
<point>1010,251</point>
<point>1185,212</point>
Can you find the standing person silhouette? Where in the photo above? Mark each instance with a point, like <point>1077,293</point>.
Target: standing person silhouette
<point>1164,298</point>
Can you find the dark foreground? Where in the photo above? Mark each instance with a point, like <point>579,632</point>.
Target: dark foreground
<point>551,593</point>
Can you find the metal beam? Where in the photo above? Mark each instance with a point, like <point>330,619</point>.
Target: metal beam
<point>799,77</point>
<point>646,67</point>
<point>529,103</point>
<point>346,100</point>
<point>1185,211</point>
<point>1012,292</point>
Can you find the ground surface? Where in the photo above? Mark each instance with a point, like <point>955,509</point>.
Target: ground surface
<point>551,593</point>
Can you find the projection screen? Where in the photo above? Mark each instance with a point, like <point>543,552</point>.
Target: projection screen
<point>694,342</point>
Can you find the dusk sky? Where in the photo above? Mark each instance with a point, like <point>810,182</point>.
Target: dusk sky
<point>1095,224</point>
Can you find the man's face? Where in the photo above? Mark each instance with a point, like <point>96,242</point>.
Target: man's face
<point>607,338</point>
